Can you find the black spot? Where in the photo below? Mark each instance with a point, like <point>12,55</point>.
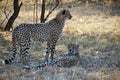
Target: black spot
<point>12,58</point>
<point>7,62</point>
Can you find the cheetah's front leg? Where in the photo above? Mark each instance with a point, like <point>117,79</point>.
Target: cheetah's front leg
<point>48,50</point>
<point>52,48</point>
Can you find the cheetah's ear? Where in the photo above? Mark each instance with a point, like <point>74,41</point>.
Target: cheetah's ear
<point>64,12</point>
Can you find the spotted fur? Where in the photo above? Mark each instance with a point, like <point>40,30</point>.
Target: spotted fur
<point>68,60</point>
<point>49,32</point>
<point>72,57</point>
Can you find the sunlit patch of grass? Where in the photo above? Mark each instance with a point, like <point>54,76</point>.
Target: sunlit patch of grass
<point>96,26</point>
<point>115,75</point>
<point>109,75</point>
<point>61,48</point>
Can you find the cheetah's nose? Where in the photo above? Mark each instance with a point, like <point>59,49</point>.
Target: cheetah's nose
<point>70,17</point>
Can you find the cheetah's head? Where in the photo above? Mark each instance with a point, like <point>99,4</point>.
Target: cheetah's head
<point>64,14</point>
<point>73,49</point>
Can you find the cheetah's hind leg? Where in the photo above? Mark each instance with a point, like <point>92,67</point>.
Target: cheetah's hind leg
<point>47,52</point>
<point>24,52</point>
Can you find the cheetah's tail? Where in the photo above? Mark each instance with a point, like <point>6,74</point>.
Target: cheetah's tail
<point>14,52</point>
<point>11,58</point>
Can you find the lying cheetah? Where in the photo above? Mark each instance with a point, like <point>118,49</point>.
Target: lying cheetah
<point>68,60</point>
<point>72,57</point>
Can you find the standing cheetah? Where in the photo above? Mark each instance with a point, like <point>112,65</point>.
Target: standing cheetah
<point>49,32</point>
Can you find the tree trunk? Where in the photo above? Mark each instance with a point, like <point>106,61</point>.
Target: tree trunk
<point>42,12</point>
<point>14,15</point>
<point>43,18</point>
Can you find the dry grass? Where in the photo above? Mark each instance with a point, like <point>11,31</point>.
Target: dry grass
<point>98,36</point>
